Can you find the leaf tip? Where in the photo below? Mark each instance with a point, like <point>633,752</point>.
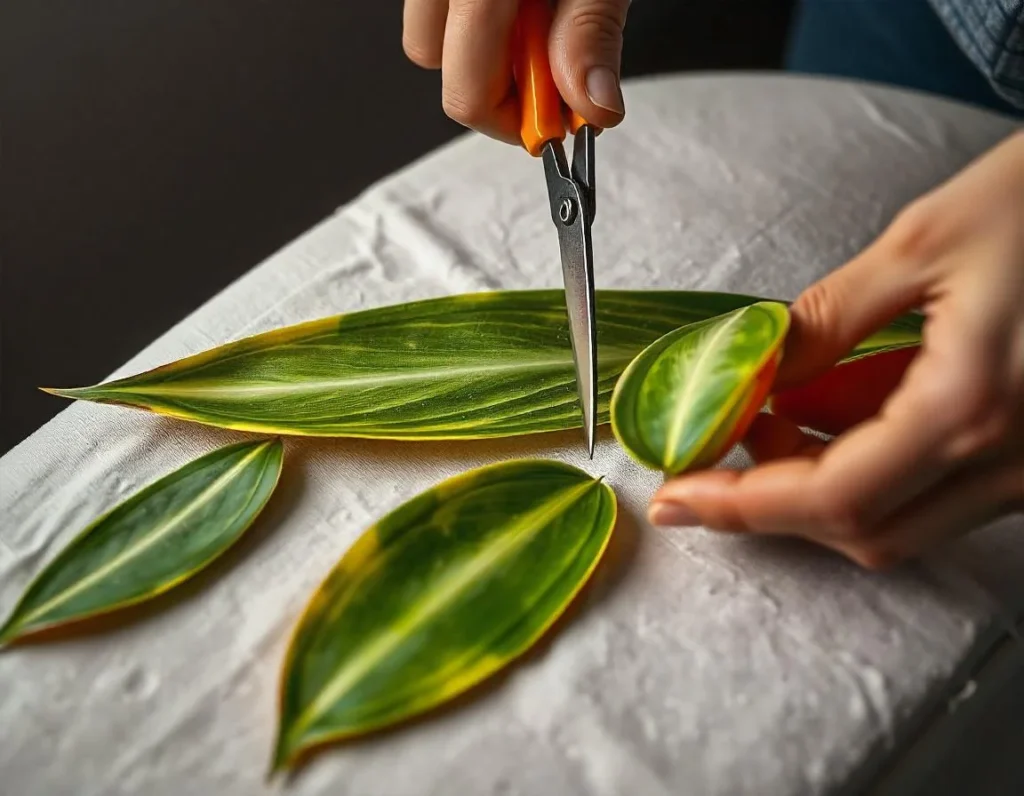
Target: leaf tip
<point>8,633</point>
<point>281,760</point>
<point>73,393</point>
<point>273,770</point>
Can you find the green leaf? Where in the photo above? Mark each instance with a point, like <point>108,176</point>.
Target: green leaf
<point>684,401</point>
<point>904,332</point>
<point>441,593</point>
<point>154,540</point>
<point>469,366</point>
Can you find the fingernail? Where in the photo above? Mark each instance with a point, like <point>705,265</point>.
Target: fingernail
<point>672,514</point>
<point>603,89</point>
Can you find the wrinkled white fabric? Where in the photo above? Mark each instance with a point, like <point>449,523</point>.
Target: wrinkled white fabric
<point>699,664</point>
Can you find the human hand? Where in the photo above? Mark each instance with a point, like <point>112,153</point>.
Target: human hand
<point>946,452</point>
<point>470,41</point>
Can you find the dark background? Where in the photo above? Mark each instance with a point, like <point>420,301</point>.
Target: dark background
<point>154,150</point>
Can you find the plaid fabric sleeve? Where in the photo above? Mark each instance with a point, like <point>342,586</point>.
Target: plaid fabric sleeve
<point>991,34</point>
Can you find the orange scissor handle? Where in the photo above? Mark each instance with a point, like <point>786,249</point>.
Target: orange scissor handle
<point>540,102</point>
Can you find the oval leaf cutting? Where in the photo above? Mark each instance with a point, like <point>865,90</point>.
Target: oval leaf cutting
<point>154,540</point>
<point>468,366</point>
<point>438,595</point>
<point>690,396</point>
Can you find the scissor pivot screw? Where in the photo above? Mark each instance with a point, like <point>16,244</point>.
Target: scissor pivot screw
<point>567,211</point>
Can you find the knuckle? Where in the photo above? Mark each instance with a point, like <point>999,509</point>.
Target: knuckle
<point>915,233</point>
<point>817,304</point>
<point>599,21</point>
<point>477,15</point>
<point>934,400</point>
<point>471,8</point>
<point>977,412</point>
<point>816,313</point>
<point>420,55</point>
<point>981,436</point>
<point>461,109</point>
<point>844,519</point>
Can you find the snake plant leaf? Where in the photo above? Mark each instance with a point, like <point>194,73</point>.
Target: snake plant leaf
<point>477,365</point>
<point>438,595</point>
<point>154,540</point>
<point>688,397</point>
<point>906,331</point>
<point>467,366</point>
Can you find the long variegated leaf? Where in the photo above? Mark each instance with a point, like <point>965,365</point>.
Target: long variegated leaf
<point>154,540</point>
<point>438,595</point>
<point>477,365</point>
<point>688,397</point>
<point>904,332</point>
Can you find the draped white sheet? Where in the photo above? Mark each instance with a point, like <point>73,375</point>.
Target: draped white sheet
<point>700,664</point>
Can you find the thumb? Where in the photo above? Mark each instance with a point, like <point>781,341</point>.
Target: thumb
<point>836,313</point>
<point>585,55</point>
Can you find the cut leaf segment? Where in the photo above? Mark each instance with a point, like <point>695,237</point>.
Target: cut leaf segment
<point>691,395</point>
<point>439,594</point>
<point>470,366</point>
<point>159,537</point>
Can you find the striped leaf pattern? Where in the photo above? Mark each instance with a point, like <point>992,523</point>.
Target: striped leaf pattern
<point>154,540</point>
<point>468,366</point>
<point>438,595</point>
<point>684,401</point>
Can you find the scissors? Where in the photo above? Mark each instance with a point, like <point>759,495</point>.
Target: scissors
<point>570,191</point>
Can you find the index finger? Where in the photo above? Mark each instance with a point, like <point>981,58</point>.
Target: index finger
<point>423,23</point>
<point>476,67</point>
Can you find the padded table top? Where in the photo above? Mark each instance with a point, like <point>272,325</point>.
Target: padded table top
<point>699,664</point>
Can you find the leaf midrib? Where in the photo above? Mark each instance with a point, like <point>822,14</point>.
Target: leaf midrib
<point>457,582</point>
<point>371,379</point>
<point>457,663</point>
<point>682,404</point>
<point>133,551</point>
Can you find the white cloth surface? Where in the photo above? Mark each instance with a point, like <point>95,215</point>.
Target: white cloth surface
<point>700,663</point>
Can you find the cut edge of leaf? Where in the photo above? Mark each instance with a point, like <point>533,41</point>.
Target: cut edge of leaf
<point>662,342</point>
<point>726,408</point>
<point>8,638</point>
<point>286,755</point>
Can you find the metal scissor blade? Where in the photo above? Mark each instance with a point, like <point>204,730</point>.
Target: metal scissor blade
<point>583,166</point>
<point>578,275</point>
<point>572,214</point>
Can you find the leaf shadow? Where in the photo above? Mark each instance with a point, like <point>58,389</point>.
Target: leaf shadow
<point>619,556</point>
<point>286,496</point>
